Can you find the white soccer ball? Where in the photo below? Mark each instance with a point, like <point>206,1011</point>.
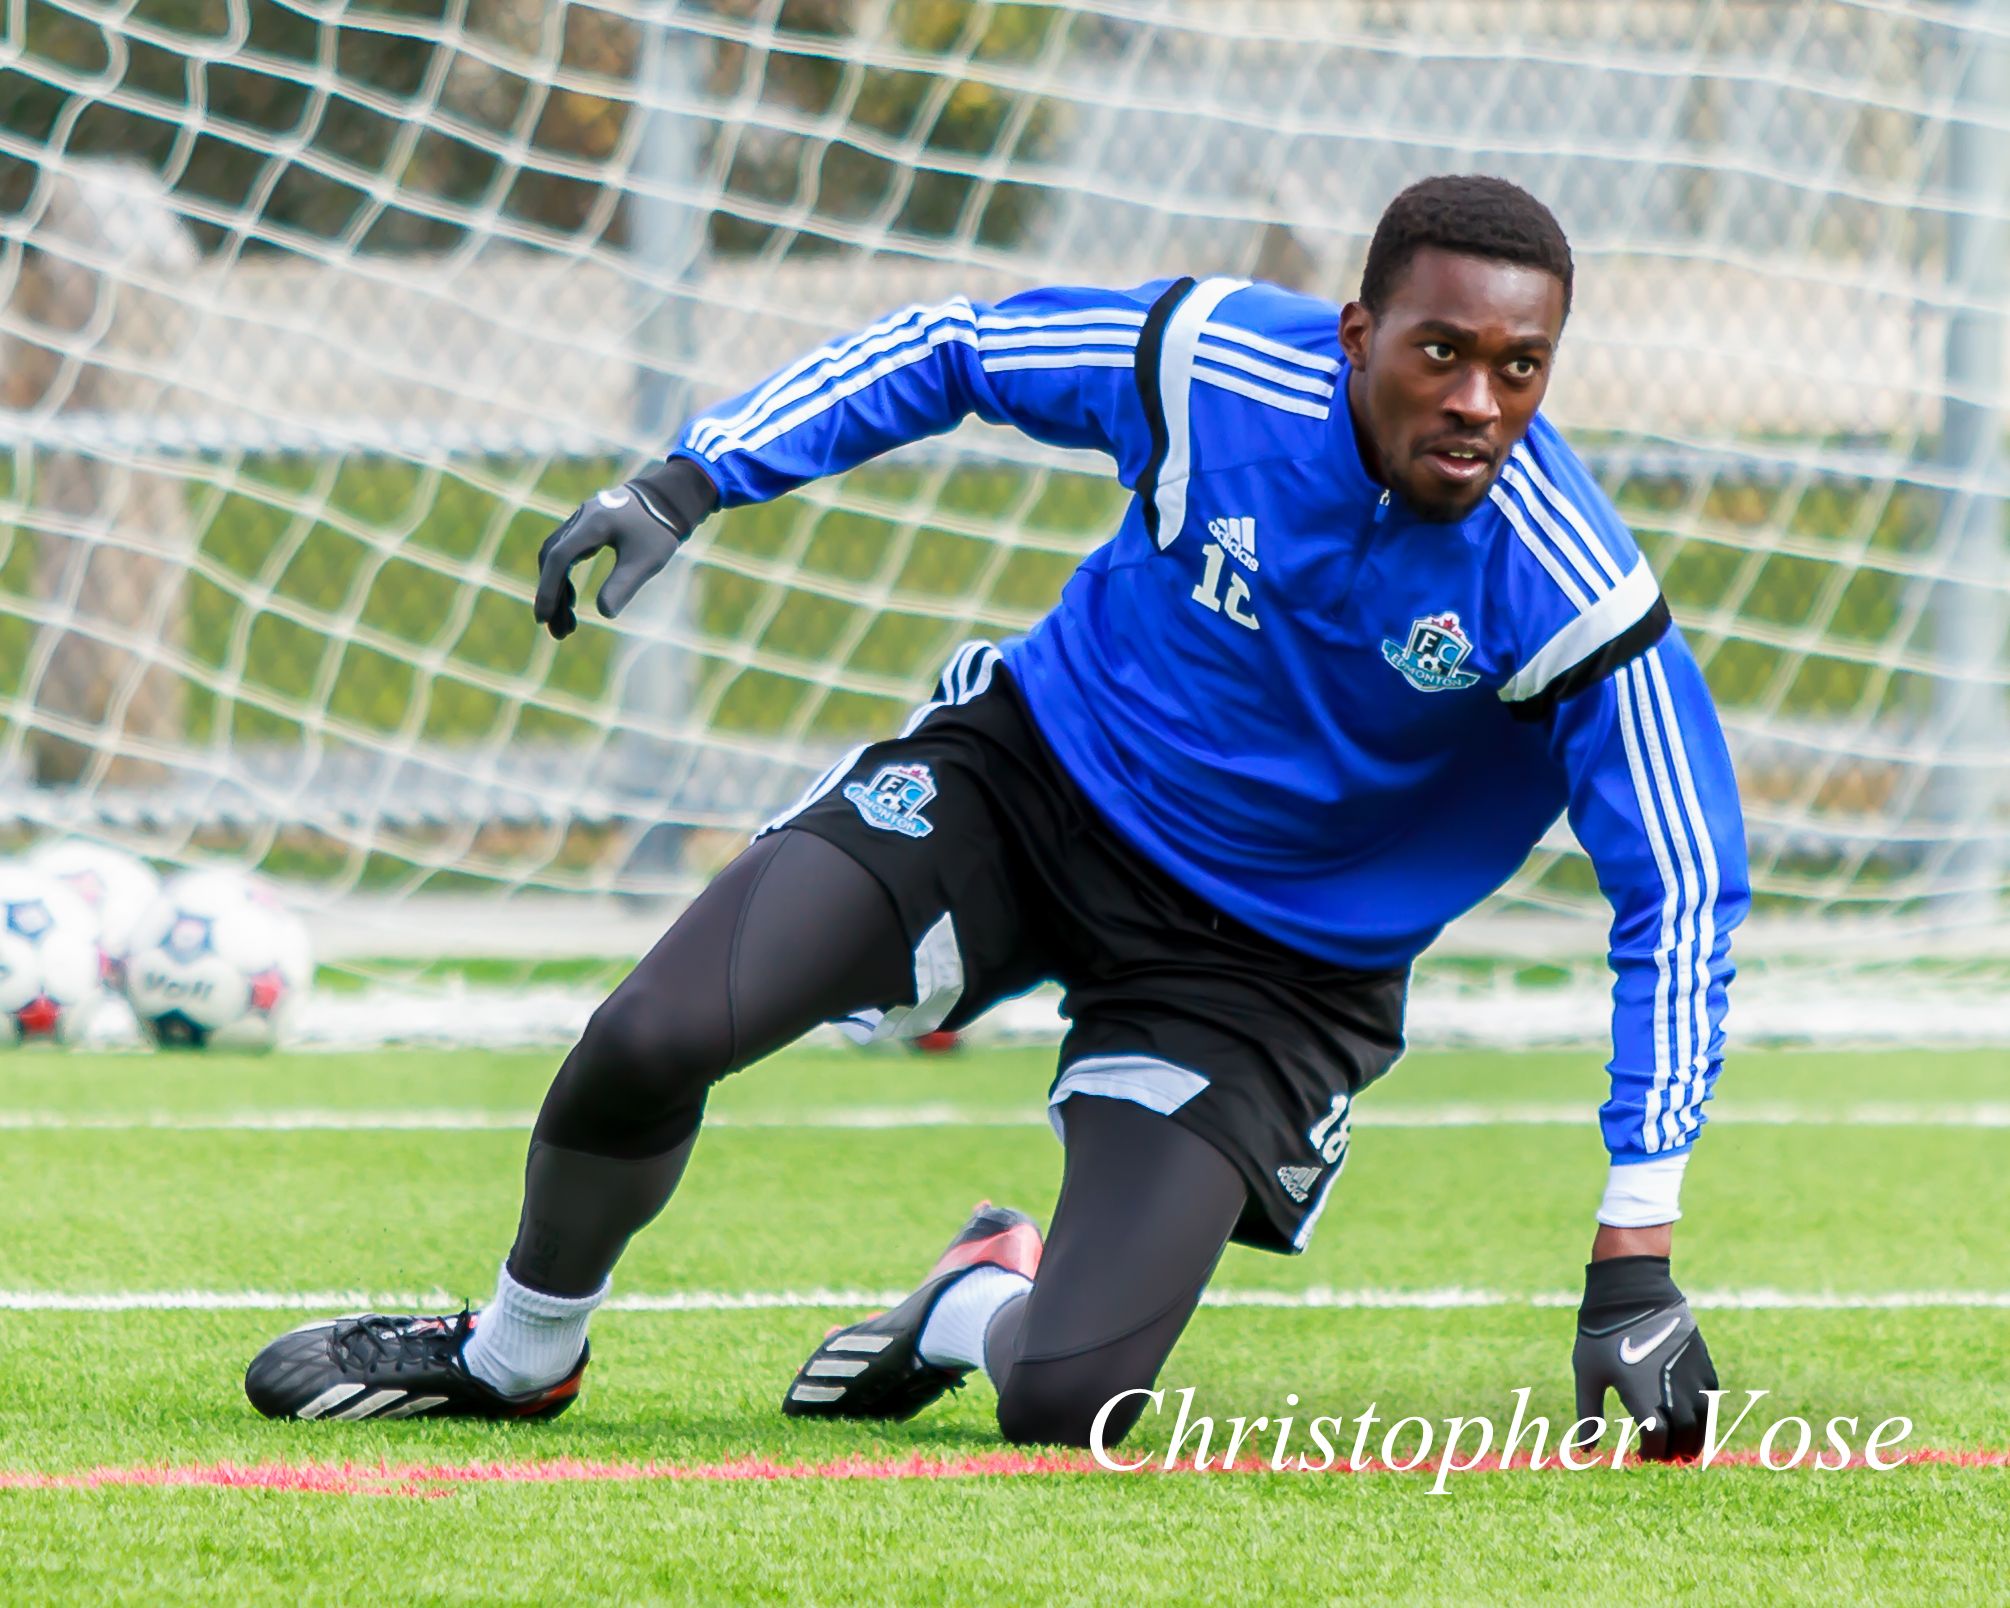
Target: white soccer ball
<point>216,960</point>
<point>50,969</point>
<point>117,886</point>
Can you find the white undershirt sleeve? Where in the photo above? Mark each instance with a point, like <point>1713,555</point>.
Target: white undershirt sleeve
<point>1642,1194</point>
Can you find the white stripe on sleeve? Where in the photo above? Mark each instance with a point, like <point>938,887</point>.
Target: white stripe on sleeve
<point>1686,1075</point>
<point>859,366</point>
<point>1612,616</point>
<point>1554,530</point>
<point>1559,572</point>
<point>1587,533</point>
<point>1074,338</point>
<point>1070,320</point>
<point>1228,357</point>
<point>805,376</point>
<point>1059,360</point>
<point>1283,401</point>
<point>855,381</point>
<point>704,429</point>
<point>1690,878</point>
<point>1176,359</point>
<point>1664,948</point>
<point>1704,917</point>
<point>1271,348</point>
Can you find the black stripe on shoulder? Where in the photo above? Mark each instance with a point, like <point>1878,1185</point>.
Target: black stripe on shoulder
<point>1145,370</point>
<point>1635,640</point>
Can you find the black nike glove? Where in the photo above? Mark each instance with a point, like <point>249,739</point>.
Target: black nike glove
<point>1635,1335</point>
<point>645,521</point>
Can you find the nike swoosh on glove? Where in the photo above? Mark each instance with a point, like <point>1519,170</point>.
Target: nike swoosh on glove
<point>1636,1336</point>
<point>644,520</point>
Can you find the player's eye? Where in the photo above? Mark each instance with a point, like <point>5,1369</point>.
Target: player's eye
<point>1523,368</point>
<point>1439,351</point>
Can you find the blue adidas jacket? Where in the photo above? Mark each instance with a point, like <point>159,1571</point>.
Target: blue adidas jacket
<point>1335,721</point>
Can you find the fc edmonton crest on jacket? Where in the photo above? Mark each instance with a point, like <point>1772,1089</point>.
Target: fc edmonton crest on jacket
<point>892,800</point>
<point>1430,660</point>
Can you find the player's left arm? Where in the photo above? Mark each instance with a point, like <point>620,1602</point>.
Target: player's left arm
<point>1650,794</point>
<point>1652,798</point>
<point>1655,804</point>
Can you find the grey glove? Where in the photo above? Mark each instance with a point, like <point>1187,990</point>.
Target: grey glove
<point>645,521</point>
<point>1636,1335</point>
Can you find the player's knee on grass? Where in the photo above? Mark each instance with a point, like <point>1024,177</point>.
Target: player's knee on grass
<point>1144,1212</point>
<point>1055,1402</point>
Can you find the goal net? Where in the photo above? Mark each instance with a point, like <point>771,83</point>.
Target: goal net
<point>314,317</point>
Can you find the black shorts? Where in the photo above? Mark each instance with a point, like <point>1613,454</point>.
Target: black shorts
<point>1005,876</point>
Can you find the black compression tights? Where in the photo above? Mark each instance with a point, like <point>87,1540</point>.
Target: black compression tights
<point>1145,1210</point>
<point>793,933</point>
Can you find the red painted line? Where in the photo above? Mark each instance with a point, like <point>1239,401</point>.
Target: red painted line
<point>421,1479</point>
<point>436,1479</point>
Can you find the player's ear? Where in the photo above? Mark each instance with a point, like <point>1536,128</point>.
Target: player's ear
<point>1357,328</point>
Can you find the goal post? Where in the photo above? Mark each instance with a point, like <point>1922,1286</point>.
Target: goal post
<point>314,318</point>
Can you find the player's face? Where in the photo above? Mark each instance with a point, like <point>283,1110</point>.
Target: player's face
<point>1449,373</point>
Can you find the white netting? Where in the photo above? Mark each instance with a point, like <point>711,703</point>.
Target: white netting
<point>314,317</point>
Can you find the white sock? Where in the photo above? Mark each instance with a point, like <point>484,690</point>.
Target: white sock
<point>525,1340</point>
<point>953,1337</point>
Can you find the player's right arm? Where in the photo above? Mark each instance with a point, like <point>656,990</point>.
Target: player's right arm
<point>1058,364</point>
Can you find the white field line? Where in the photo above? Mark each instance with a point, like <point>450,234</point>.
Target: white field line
<point>1828,1007</point>
<point>271,1121</point>
<point>1823,1005</point>
<point>922,1116</point>
<point>1316,1299</point>
<point>1871,1114</point>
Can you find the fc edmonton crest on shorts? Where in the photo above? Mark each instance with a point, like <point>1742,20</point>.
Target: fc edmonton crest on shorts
<point>1430,660</point>
<point>892,800</point>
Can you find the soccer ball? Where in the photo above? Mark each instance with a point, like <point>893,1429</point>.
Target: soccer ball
<point>216,960</point>
<point>50,969</point>
<point>117,887</point>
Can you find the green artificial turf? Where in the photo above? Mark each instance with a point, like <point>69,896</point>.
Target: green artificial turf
<point>772,1207</point>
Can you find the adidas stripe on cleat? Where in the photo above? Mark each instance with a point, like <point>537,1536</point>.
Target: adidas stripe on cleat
<point>380,1367</point>
<point>874,1369</point>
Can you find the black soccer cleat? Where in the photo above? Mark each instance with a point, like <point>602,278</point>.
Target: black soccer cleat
<point>874,1369</point>
<point>388,1367</point>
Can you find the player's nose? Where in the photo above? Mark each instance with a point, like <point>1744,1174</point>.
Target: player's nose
<point>1472,401</point>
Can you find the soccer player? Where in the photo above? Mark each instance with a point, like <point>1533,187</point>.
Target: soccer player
<point>1367,629</point>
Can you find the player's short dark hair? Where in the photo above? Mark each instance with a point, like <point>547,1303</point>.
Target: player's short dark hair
<point>1472,215</point>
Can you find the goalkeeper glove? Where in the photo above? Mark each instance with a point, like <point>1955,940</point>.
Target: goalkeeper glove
<point>645,521</point>
<point>1635,1335</point>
